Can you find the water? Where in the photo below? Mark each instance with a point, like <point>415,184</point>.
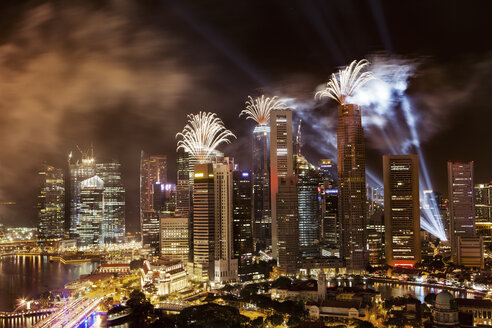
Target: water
<point>29,276</point>
<point>388,290</point>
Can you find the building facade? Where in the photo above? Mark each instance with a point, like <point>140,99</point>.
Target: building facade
<point>153,169</point>
<point>243,216</point>
<point>225,265</point>
<point>174,238</point>
<point>79,171</point>
<point>352,186</point>
<point>281,166</point>
<point>461,204</point>
<point>483,213</point>
<point>203,222</point>
<point>51,204</point>
<point>261,184</point>
<point>401,209</point>
<point>308,194</point>
<point>113,228</point>
<point>90,223</point>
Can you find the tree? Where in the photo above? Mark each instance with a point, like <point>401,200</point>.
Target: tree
<point>282,282</point>
<point>211,315</point>
<point>430,298</point>
<point>256,323</point>
<point>275,319</point>
<point>142,309</point>
<point>136,264</point>
<point>364,324</point>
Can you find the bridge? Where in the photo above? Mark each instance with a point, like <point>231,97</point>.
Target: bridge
<point>8,315</point>
<point>172,307</point>
<point>71,314</point>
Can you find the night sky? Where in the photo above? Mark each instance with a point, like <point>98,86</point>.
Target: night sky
<point>123,75</point>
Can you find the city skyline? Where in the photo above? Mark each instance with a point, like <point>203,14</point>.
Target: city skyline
<point>435,68</point>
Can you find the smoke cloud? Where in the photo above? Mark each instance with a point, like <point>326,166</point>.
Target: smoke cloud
<point>69,71</point>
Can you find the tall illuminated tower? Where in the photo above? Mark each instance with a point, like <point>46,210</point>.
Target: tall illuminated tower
<point>51,204</point>
<point>309,207</point>
<point>483,212</point>
<point>226,266</point>
<point>401,209</point>
<point>113,228</point>
<point>461,195</point>
<point>153,169</point>
<point>330,226</point>
<point>79,171</point>
<point>90,223</point>
<point>261,186</point>
<point>242,200</point>
<point>352,186</point>
<point>285,219</point>
<point>204,221</point>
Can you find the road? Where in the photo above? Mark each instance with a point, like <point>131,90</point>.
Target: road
<point>72,314</point>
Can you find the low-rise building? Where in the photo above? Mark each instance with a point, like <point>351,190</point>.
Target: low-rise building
<point>119,268</point>
<point>337,309</point>
<point>480,309</point>
<point>168,276</point>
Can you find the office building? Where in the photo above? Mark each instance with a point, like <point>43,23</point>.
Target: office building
<point>184,184</point>
<point>113,227</point>
<point>352,187</point>
<point>153,169</point>
<point>483,213</point>
<point>242,201</point>
<point>150,231</point>
<point>375,238</point>
<point>89,227</point>
<point>401,210</point>
<point>281,167</point>
<point>78,172</point>
<point>308,196</point>
<point>225,265</point>
<point>164,197</point>
<point>461,204</point>
<point>203,222</point>
<point>470,252</point>
<point>287,225</point>
<point>330,226</point>
<point>174,237</point>
<point>261,184</point>
<point>51,204</point>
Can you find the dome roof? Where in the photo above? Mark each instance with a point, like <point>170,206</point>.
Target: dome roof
<point>445,300</point>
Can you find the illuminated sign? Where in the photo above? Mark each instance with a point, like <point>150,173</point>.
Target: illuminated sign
<point>331,191</point>
<point>245,174</point>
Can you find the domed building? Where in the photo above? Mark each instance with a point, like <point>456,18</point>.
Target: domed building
<point>445,312</point>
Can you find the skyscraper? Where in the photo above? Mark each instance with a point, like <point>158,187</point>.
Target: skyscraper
<point>461,204</point>
<point>352,186</point>
<point>401,210</point>
<point>89,226</point>
<point>375,238</point>
<point>153,168</point>
<point>330,226</point>
<point>226,266</point>
<point>287,225</point>
<point>281,165</point>
<point>51,204</point>
<point>79,171</point>
<point>113,227</point>
<point>204,221</point>
<point>242,200</point>
<point>150,231</point>
<point>184,184</point>
<point>174,237</point>
<point>261,184</point>
<point>483,212</point>
<point>308,193</point>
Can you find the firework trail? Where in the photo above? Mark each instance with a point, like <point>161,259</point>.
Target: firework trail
<point>259,109</point>
<point>201,136</point>
<point>346,82</point>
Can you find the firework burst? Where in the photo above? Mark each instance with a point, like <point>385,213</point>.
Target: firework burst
<point>259,109</point>
<point>201,136</point>
<point>346,82</point>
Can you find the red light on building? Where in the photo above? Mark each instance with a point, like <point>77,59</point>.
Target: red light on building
<point>404,265</point>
